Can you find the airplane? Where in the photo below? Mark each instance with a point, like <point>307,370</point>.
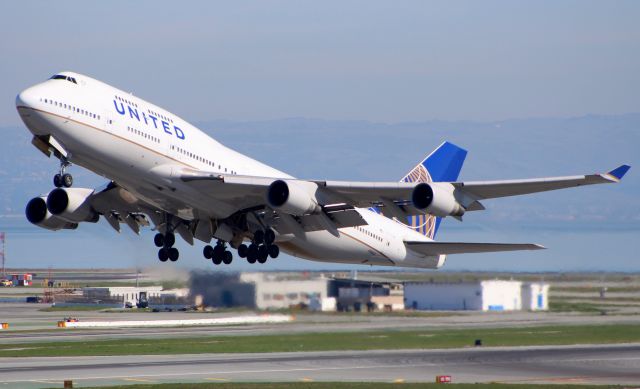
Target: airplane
<point>163,170</point>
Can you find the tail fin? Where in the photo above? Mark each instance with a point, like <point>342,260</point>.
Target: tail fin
<point>442,165</point>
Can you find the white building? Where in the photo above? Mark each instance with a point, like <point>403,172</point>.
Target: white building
<point>129,294</point>
<point>491,295</point>
<point>283,290</point>
<point>535,296</point>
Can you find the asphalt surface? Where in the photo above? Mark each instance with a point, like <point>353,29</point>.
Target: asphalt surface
<point>615,364</point>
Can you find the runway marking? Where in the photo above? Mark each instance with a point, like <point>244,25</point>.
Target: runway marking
<point>217,379</point>
<point>249,371</point>
<point>138,380</point>
<point>41,381</point>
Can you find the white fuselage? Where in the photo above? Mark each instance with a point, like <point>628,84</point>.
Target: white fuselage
<point>139,146</point>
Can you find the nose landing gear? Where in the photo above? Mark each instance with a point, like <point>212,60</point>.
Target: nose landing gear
<point>63,179</point>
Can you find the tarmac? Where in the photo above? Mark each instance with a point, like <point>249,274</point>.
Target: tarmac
<point>593,364</point>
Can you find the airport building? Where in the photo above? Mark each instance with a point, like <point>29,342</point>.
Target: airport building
<point>121,296</point>
<point>284,290</point>
<point>535,296</point>
<point>368,294</point>
<point>489,295</point>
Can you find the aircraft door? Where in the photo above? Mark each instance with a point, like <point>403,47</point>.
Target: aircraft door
<point>107,122</point>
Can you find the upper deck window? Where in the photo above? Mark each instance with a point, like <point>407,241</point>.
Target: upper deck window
<point>61,77</point>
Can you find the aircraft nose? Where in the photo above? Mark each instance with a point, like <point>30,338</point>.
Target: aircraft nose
<point>26,98</point>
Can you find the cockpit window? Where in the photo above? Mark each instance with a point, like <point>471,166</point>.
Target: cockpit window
<point>61,77</point>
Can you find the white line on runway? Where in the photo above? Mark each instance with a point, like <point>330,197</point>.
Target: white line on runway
<point>243,372</point>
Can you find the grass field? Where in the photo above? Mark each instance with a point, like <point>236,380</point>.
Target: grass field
<point>353,385</point>
<point>370,340</point>
<point>556,305</point>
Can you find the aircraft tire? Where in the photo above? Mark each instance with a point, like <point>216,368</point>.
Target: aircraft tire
<point>258,236</point>
<point>274,251</point>
<point>269,236</point>
<point>227,258</point>
<point>174,254</point>
<point>57,181</point>
<point>163,254</point>
<point>207,252</point>
<point>242,250</point>
<point>218,251</point>
<point>252,253</point>
<point>67,180</point>
<point>216,259</point>
<point>169,239</point>
<point>158,240</point>
<point>263,253</point>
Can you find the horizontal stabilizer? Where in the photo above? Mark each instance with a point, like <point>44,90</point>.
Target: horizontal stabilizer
<point>443,248</point>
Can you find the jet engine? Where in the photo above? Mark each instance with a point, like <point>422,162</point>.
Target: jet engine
<point>292,197</point>
<point>71,204</point>
<point>436,199</point>
<point>38,214</point>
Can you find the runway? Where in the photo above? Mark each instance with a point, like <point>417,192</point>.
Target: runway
<point>597,364</point>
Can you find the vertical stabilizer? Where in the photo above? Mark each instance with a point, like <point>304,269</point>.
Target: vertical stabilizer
<point>442,165</point>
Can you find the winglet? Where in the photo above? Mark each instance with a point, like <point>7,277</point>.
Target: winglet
<point>620,171</point>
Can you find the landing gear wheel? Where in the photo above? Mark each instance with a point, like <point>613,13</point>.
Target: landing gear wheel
<point>263,254</point>
<point>218,251</point>
<point>207,252</point>
<point>158,240</point>
<point>174,254</point>
<point>258,236</point>
<point>242,250</point>
<point>57,180</point>
<point>163,255</point>
<point>227,258</point>
<point>252,253</point>
<point>169,239</point>
<point>269,236</point>
<point>217,259</point>
<point>274,251</point>
<point>67,180</point>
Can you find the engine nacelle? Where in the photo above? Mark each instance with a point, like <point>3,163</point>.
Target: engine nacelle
<point>38,214</point>
<point>71,205</point>
<point>436,199</point>
<point>292,198</point>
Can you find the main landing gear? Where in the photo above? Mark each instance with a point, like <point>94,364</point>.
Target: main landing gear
<point>218,254</point>
<point>63,179</point>
<point>167,251</point>
<point>261,248</point>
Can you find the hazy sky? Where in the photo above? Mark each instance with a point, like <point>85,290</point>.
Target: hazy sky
<point>381,61</point>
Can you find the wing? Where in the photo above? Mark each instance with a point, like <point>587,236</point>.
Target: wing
<point>443,248</point>
<point>495,189</point>
<point>394,199</point>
